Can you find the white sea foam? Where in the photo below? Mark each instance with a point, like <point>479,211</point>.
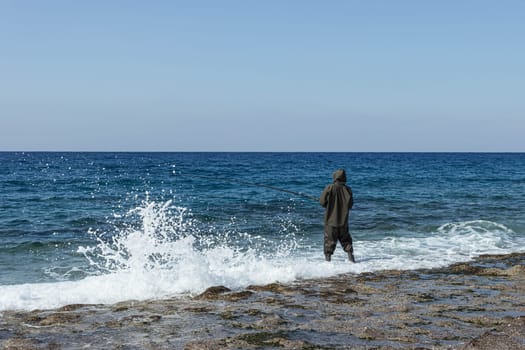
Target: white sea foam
<point>167,255</point>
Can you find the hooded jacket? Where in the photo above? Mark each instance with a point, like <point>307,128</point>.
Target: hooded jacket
<point>337,198</point>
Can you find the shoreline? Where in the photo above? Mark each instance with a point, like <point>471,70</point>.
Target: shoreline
<point>472,305</point>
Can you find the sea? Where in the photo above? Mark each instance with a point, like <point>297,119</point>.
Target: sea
<point>101,228</point>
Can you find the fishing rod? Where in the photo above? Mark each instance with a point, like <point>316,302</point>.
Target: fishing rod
<point>304,195</point>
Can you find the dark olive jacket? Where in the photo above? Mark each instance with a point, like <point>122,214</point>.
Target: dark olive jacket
<point>337,198</point>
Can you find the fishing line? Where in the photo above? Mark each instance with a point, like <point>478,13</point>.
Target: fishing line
<point>304,195</point>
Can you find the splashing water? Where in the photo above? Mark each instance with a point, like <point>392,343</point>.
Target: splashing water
<point>162,252</point>
<point>448,244</point>
<point>168,254</point>
<point>153,245</point>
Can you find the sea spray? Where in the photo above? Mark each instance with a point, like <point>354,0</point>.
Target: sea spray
<point>412,210</point>
<point>171,253</point>
<point>447,244</point>
<point>163,251</point>
<point>151,244</point>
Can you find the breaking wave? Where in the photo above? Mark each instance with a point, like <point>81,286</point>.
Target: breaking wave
<point>163,252</point>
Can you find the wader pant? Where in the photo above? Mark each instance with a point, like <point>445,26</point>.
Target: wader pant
<point>334,234</point>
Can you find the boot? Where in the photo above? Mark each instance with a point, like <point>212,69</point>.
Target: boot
<point>327,257</point>
<point>351,257</point>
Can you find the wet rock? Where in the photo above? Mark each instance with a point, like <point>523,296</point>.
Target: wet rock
<point>293,344</point>
<point>517,271</point>
<point>277,288</point>
<point>199,309</point>
<point>28,344</point>
<point>73,307</point>
<point>493,341</point>
<point>121,307</point>
<point>228,315</point>
<point>370,333</point>
<point>237,296</point>
<point>465,269</point>
<point>263,338</point>
<point>424,297</point>
<point>223,293</point>
<point>253,341</point>
<point>58,318</point>
<point>439,309</point>
<point>141,319</point>
<point>270,321</point>
<point>212,293</point>
<point>212,344</point>
<point>362,288</point>
<point>514,327</point>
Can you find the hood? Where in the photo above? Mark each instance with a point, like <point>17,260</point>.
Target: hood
<point>339,175</point>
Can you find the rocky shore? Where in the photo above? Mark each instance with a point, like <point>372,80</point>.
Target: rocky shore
<point>474,305</point>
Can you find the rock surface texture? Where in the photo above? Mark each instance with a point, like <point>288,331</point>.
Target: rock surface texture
<point>474,305</point>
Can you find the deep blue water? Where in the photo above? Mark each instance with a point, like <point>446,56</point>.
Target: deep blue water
<point>53,203</point>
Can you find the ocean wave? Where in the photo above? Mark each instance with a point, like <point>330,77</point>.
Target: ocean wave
<point>166,252</point>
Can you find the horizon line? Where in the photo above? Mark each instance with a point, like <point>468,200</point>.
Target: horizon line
<point>237,151</point>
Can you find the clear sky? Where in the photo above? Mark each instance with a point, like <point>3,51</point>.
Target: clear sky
<point>266,75</point>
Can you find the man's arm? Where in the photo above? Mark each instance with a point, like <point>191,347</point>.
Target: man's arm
<point>323,200</point>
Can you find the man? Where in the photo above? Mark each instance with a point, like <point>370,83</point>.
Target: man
<point>337,198</point>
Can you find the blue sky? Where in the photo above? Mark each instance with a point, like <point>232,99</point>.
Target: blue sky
<point>266,75</point>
